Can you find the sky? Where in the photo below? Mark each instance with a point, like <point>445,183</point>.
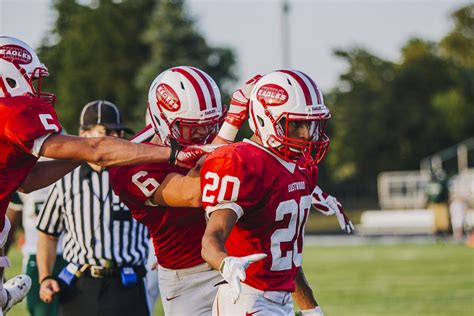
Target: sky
<point>254,29</point>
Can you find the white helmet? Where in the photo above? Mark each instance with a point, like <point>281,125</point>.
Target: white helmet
<point>182,99</point>
<point>19,66</point>
<point>286,96</point>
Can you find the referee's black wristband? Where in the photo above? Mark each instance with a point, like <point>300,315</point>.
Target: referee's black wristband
<point>47,278</point>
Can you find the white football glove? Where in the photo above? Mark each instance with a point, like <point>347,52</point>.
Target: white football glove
<point>238,110</point>
<point>329,205</point>
<point>312,312</point>
<point>233,269</point>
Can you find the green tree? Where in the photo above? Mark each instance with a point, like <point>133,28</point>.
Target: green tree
<point>359,111</point>
<point>113,49</point>
<point>175,41</point>
<point>388,116</point>
<point>456,105</point>
<point>458,45</point>
<point>96,54</point>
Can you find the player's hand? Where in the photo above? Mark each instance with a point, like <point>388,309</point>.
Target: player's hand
<point>239,104</point>
<point>238,110</point>
<point>48,288</point>
<point>189,156</point>
<point>312,312</point>
<point>329,205</point>
<point>233,269</point>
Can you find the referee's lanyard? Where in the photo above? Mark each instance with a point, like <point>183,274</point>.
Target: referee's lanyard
<point>122,214</point>
<point>99,175</point>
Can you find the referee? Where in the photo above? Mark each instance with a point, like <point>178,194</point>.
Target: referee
<point>105,247</point>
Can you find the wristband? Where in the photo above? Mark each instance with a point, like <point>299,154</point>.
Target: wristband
<point>47,278</point>
<point>312,312</point>
<point>175,148</point>
<point>228,131</point>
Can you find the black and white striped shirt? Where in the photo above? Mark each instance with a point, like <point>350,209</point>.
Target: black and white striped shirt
<point>96,225</point>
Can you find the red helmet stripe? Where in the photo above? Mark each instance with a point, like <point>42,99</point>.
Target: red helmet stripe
<point>208,85</point>
<point>315,87</point>
<point>195,83</point>
<point>304,87</point>
<point>144,134</point>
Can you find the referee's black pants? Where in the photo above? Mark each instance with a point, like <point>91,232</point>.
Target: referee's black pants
<point>103,297</point>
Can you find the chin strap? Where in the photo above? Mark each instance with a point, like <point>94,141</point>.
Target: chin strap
<point>175,149</point>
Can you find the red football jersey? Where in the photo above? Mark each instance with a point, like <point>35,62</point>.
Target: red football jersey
<point>176,231</point>
<point>272,199</point>
<point>23,119</point>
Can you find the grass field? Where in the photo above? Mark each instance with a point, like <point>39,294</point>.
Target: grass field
<point>405,279</point>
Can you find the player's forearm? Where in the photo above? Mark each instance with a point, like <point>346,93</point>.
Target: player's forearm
<point>303,295</point>
<point>15,220</point>
<point>179,191</point>
<point>118,152</point>
<point>103,151</point>
<point>46,255</point>
<point>217,231</point>
<point>213,250</point>
<point>45,173</point>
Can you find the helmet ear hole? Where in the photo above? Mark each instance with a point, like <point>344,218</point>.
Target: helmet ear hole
<point>11,82</point>
<point>260,121</point>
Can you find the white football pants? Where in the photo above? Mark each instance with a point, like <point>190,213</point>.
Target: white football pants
<point>188,291</point>
<point>252,302</point>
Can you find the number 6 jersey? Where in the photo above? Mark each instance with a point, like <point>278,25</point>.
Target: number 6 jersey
<point>23,120</point>
<point>176,231</point>
<point>271,198</point>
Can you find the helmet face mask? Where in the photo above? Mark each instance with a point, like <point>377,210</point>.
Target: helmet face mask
<point>305,148</point>
<point>287,112</point>
<point>192,132</point>
<point>35,83</point>
<point>185,104</point>
<point>20,70</point>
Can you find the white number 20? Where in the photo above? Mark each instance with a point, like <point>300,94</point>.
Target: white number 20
<point>224,183</point>
<point>295,229</point>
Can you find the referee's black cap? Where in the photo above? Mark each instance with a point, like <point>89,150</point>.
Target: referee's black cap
<point>105,113</point>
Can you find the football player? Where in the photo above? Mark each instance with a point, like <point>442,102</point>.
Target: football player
<point>257,195</point>
<point>29,128</point>
<point>185,107</point>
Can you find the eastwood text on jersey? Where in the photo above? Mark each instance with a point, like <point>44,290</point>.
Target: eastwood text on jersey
<point>296,186</point>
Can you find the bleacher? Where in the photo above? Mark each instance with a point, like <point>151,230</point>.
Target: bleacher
<point>402,195</point>
<point>402,222</point>
<point>396,222</point>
